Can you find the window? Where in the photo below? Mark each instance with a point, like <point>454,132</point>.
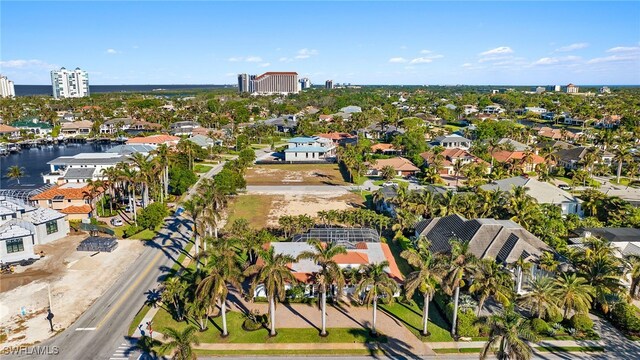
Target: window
<point>14,245</point>
<point>52,227</point>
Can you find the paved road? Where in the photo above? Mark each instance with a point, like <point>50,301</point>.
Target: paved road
<point>101,331</point>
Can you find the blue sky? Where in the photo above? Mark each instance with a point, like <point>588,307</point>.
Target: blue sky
<point>355,42</point>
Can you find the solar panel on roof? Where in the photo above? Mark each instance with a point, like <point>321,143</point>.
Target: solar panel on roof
<point>58,197</point>
<point>503,254</point>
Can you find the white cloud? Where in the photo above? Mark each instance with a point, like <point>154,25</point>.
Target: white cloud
<point>572,47</point>
<point>397,60</point>
<point>285,59</point>
<point>614,58</point>
<point>253,59</point>
<point>618,49</point>
<point>556,60</point>
<point>306,53</point>
<point>264,64</point>
<point>235,59</point>
<point>467,65</point>
<point>425,51</point>
<point>497,51</point>
<point>495,58</point>
<point>112,51</point>
<point>23,64</point>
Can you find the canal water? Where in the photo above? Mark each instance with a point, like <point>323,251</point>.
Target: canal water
<point>34,161</point>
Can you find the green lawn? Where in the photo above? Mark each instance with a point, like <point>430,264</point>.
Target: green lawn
<point>254,208</point>
<point>201,169</point>
<point>623,181</point>
<point>411,317</point>
<point>136,319</point>
<point>145,234</point>
<point>237,335</point>
<point>289,352</point>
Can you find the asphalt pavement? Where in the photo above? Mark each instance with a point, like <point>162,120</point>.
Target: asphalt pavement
<point>101,331</point>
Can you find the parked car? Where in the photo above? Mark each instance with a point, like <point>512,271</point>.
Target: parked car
<point>389,183</point>
<point>116,222</point>
<point>564,187</point>
<point>128,209</point>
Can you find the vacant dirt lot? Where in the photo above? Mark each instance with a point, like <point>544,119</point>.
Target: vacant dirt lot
<point>75,278</point>
<point>295,174</point>
<point>265,210</point>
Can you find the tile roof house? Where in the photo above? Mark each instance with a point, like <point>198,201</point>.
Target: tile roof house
<point>517,159</point>
<point>9,131</point>
<point>608,122</point>
<point>402,166</point>
<point>339,138</point>
<point>501,240</point>
<point>361,250</point>
<point>71,199</point>
<point>169,140</point>
<point>452,156</point>
<point>543,192</point>
<point>82,127</point>
<point>386,149</point>
<point>556,134</point>
<point>572,158</point>
<point>34,126</point>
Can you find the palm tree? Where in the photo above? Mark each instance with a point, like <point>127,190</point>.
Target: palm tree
<point>491,280</point>
<point>376,283</point>
<point>424,278</point>
<point>181,342</point>
<point>521,268</point>
<point>622,155</point>
<point>145,174</point>
<point>224,271</point>
<point>388,172</point>
<point>573,293</point>
<point>162,159</point>
<point>273,273</point>
<point>461,265</point>
<point>174,291</point>
<point>541,298</point>
<point>512,335</point>
<point>329,274</point>
<point>15,172</point>
<point>194,208</point>
<point>457,167</point>
<point>93,191</point>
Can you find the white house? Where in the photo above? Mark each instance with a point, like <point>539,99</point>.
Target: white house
<point>453,141</point>
<point>23,226</point>
<point>313,148</point>
<point>493,109</point>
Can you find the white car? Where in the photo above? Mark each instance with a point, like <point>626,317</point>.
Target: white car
<point>564,187</point>
<point>128,209</point>
<point>116,222</point>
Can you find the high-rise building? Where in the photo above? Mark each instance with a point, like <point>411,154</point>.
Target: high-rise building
<point>269,82</point>
<point>276,82</point>
<point>6,87</point>
<point>572,89</point>
<point>305,83</point>
<point>69,83</point>
<point>328,84</point>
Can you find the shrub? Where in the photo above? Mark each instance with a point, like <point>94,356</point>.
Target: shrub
<point>553,318</point>
<point>467,320</point>
<point>540,326</point>
<point>405,243</point>
<point>581,322</point>
<point>624,317</point>
<point>152,215</point>
<point>180,179</point>
<point>131,230</point>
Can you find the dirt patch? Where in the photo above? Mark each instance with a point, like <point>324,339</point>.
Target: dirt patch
<point>295,174</point>
<point>75,279</point>
<point>297,204</point>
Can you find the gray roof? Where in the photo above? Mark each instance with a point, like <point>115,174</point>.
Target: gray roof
<point>502,240</point>
<point>576,154</point>
<point>613,234</point>
<point>88,159</point>
<point>202,141</point>
<point>347,237</point>
<point>125,121</point>
<point>79,173</point>
<point>11,231</point>
<point>631,249</point>
<point>42,215</point>
<point>451,138</point>
<point>128,149</point>
<point>518,146</point>
<point>543,192</point>
<point>351,109</point>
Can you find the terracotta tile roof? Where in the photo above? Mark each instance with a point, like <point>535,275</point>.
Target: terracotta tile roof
<point>362,246</point>
<point>73,209</point>
<point>325,117</point>
<point>504,156</point>
<point>7,129</point>
<point>394,271</point>
<point>302,277</point>
<point>153,139</point>
<point>382,147</point>
<point>72,193</point>
<point>351,257</point>
<point>397,163</point>
<point>336,136</point>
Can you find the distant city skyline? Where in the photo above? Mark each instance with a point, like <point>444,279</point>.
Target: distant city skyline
<point>413,43</point>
